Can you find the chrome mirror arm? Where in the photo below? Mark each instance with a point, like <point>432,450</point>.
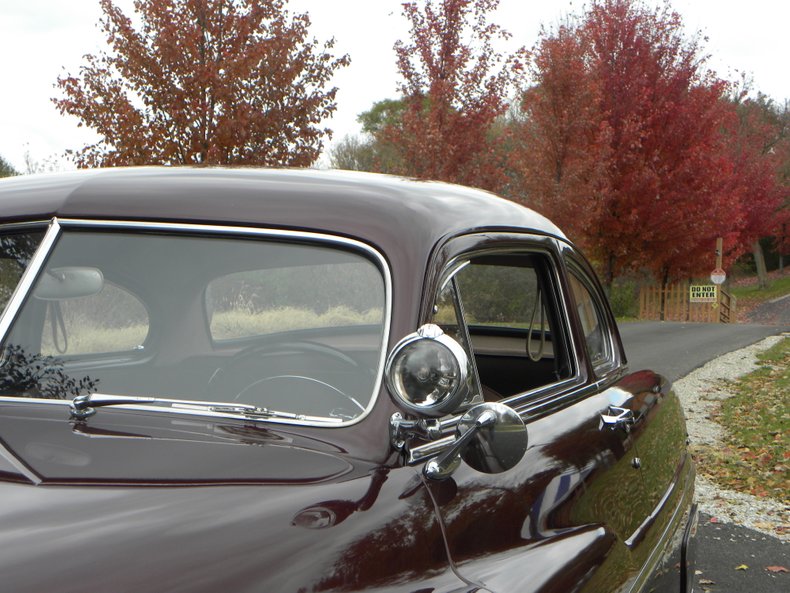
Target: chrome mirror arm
<point>445,464</point>
<point>401,429</point>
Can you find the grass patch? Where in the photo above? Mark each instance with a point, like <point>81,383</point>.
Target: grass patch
<point>755,457</point>
<point>88,339</point>
<point>228,325</point>
<point>776,288</point>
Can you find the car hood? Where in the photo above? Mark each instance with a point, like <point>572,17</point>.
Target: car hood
<point>126,446</point>
<point>136,501</point>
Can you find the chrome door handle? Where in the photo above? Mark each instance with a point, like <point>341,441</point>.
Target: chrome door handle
<point>617,418</point>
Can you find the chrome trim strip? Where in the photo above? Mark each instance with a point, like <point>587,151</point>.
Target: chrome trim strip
<point>209,229</point>
<point>28,278</point>
<point>182,408</point>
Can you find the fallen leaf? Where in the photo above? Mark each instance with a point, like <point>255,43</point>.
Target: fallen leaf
<point>714,520</point>
<point>706,582</point>
<point>776,569</point>
<point>742,567</point>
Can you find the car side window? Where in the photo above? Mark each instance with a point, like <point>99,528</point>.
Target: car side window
<point>509,308</point>
<point>593,322</point>
<point>113,320</point>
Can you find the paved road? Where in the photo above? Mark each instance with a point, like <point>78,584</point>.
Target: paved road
<point>675,349</point>
<point>774,311</point>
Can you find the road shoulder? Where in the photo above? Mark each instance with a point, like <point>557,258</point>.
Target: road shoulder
<point>701,392</point>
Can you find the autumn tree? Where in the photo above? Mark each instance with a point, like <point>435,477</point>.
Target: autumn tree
<point>562,144</point>
<point>203,82</point>
<point>755,141</point>
<point>454,86</point>
<point>372,150</point>
<point>6,170</point>
<point>633,120</point>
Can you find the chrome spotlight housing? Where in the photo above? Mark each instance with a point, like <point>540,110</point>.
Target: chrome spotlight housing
<point>428,372</point>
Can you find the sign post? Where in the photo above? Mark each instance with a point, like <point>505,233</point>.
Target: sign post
<point>718,275</point>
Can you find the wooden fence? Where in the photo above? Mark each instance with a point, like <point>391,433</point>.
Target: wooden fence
<point>671,303</point>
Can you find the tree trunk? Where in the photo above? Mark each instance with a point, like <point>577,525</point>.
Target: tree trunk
<point>608,276</point>
<point>759,261</point>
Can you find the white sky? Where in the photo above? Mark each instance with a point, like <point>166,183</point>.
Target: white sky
<point>38,38</point>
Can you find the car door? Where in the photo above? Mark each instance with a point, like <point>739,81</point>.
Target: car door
<point>568,516</point>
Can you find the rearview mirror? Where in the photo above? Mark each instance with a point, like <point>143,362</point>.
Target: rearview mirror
<point>57,284</point>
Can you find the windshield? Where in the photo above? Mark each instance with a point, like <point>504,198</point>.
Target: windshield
<point>273,322</point>
<point>16,250</point>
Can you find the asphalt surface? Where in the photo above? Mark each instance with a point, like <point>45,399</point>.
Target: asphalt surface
<point>675,349</point>
<point>730,558</point>
<point>774,311</point>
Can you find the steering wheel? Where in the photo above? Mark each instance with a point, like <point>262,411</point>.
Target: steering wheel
<point>265,375</point>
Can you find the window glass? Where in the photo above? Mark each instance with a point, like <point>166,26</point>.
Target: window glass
<point>501,296</point>
<point>508,307</point>
<point>16,250</point>
<point>447,314</point>
<point>592,322</point>
<point>292,326</point>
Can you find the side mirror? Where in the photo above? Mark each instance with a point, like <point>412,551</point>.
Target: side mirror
<point>429,372</point>
<point>490,437</point>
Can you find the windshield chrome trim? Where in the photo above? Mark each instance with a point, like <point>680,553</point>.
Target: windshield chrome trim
<point>8,316</point>
<point>181,408</point>
<point>24,470</point>
<point>57,224</point>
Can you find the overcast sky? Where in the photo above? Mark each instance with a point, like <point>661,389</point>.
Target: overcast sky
<point>39,38</point>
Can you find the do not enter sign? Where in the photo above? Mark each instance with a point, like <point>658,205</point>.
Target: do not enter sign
<point>718,276</point>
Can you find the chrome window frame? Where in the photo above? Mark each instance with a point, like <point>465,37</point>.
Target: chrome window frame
<point>540,400</point>
<point>57,225</point>
<point>610,363</point>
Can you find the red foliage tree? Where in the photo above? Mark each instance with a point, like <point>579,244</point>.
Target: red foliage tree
<point>561,142</point>
<point>203,82</point>
<point>454,87</point>
<point>757,142</point>
<point>648,143</point>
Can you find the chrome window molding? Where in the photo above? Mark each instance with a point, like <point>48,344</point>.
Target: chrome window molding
<point>27,224</point>
<point>28,277</point>
<point>58,224</point>
<point>540,400</point>
<point>456,264</point>
<point>611,361</point>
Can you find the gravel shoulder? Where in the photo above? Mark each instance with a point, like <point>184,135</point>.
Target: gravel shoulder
<point>701,392</point>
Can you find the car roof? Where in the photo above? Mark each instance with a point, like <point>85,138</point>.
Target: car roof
<point>350,203</point>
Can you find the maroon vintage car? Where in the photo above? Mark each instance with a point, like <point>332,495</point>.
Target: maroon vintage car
<point>297,381</point>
